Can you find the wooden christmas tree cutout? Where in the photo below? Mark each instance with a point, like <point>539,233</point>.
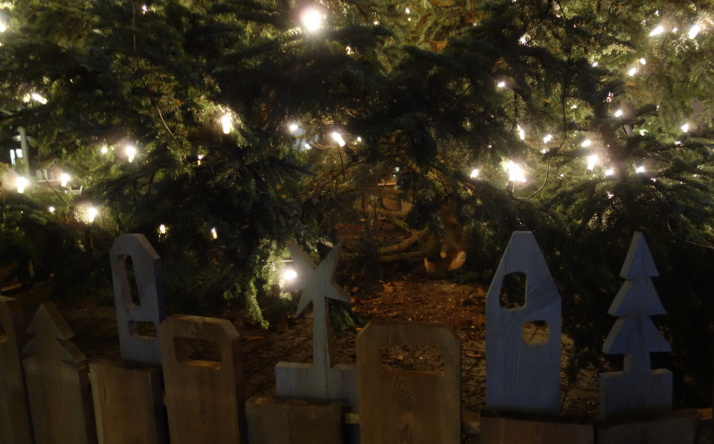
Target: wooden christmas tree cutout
<point>319,380</point>
<point>522,377</point>
<point>637,389</point>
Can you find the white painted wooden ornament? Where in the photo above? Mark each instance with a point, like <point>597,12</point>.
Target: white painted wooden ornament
<point>523,377</point>
<point>637,389</point>
<point>134,345</point>
<point>319,380</point>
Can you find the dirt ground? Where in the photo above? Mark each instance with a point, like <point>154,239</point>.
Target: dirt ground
<point>416,297</point>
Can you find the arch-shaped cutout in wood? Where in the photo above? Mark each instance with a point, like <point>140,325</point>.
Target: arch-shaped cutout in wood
<point>513,290</point>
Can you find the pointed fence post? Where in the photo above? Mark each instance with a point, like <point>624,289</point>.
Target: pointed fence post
<point>320,380</point>
<point>204,399</point>
<point>637,389</point>
<point>522,377</point>
<point>57,382</point>
<point>136,345</point>
<point>15,427</point>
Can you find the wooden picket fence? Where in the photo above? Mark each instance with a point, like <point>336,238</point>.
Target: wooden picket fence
<point>158,394</point>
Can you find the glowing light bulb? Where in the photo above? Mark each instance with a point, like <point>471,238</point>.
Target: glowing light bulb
<point>3,26</point>
<point>104,149</point>
<point>632,72</point>
<point>92,214</point>
<point>521,133</point>
<point>586,143</point>
<point>640,169</point>
<point>657,31</point>
<point>515,172</point>
<point>407,10</point>
<point>609,172</point>
<point>312,19</point>
<point>642,61</point>
<point>694,30</point>
<point>289,274</point>
<point>524,39</point>
<point>685,128</point>
<point>130,152</point>
<point>214,233</point>
<point>474,173</point>
<point>22,183</point>
<point>337,137</point>
<point>64,178</point>
<point>501,84</point>
<point>547,138</point>
<point>595,64</point>
<point>38,98</point>
<point>51,209</point>
<point>227,123</point>
<point>293,127</point>
<point>618,113</point>
<point>592,161</point>
<point>162,229</point>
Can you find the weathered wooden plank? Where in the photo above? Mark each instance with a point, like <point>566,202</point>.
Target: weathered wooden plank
<point>272,421</point>
<point>128,403</point>
<point>523,377</point>
<point>637,389</point>
<point>533,429</point>
<point>409,407</point>
<point>134,344</point>
<point>57,382</point>
<point>203,398</point>
<point>678,427</point>
<point>15,427</point>
<point>319,380</point>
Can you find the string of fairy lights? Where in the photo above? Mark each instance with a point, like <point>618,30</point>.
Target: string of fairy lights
<point>312,20</point>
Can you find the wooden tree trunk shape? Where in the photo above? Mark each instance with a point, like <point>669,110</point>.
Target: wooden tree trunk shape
<point>320,380</point>
<point>409,407</point>
<point>522,377</point>
<point>57,382</point>
<point>637,389</point>
<point>134,344</point>
<point>204,399</point>
<point>15,427</point>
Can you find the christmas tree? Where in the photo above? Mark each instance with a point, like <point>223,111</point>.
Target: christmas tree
<point>220,129</point>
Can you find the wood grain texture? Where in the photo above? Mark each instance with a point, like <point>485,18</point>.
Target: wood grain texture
<point>128,404</point>
<point>272,421</point>
<point>409,407</point>
<point>149,284</point>
<point>57,382</point>
<point>497,428</point>
<point>320,380</point>
<point>678,427</point>
<point>523,377</point>
<point>636,390</point>
<point>15,427</point>
<point>204,399</point>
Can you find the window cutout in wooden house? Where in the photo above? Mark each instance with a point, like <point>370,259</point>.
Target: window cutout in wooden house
<point>146,330</point>
<point>513,290</point>
<point>128,265</point>
<point>535,332</point>
<point>197,352</point>
<point>413,358</point>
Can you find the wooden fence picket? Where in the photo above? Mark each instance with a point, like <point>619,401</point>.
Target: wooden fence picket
<point>57,382</point>
<point>409,407</point>
<point>15,427</point>
<point>204,399</point>
<point>136,344</point>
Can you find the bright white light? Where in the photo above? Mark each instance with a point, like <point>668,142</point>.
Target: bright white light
<point>289,274</point>
<point>200,158</point>
<point>592,161</point>
<point>586,143</point>
<point>694,30</point>
<point>337,137</point>
<point>609,172</point>
<point>104,149</point>
<point>632,71</point>
<point>64,178</point>
<point>524,39</point>
<point>214,233</point>
<point>547,138</point>
<point>293,127</point>
<point>162,229</point>
<point>407,10</point>
<point>573,106</point>
<point>307,146</point>
<point>92,214</point>
<point>515,172</point>
<point>610,195</point>
<point>501,84</point>
<point>312,19</point>
<point>130,152</point>
<point>643,132</point>
<point>474,173</point>
<point>227,123</point>
<point>51,209</point>
<point>359,139</point>
<point>642,61</point>
<point>22,183</point>
<point>521,133</point>
<point>640,169</point>
<point>618,113</point>
<point>38,98</point>
<point>595,64</point>
<point>685,128</point>
<point>3,26</point>
<point>657,31</point>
